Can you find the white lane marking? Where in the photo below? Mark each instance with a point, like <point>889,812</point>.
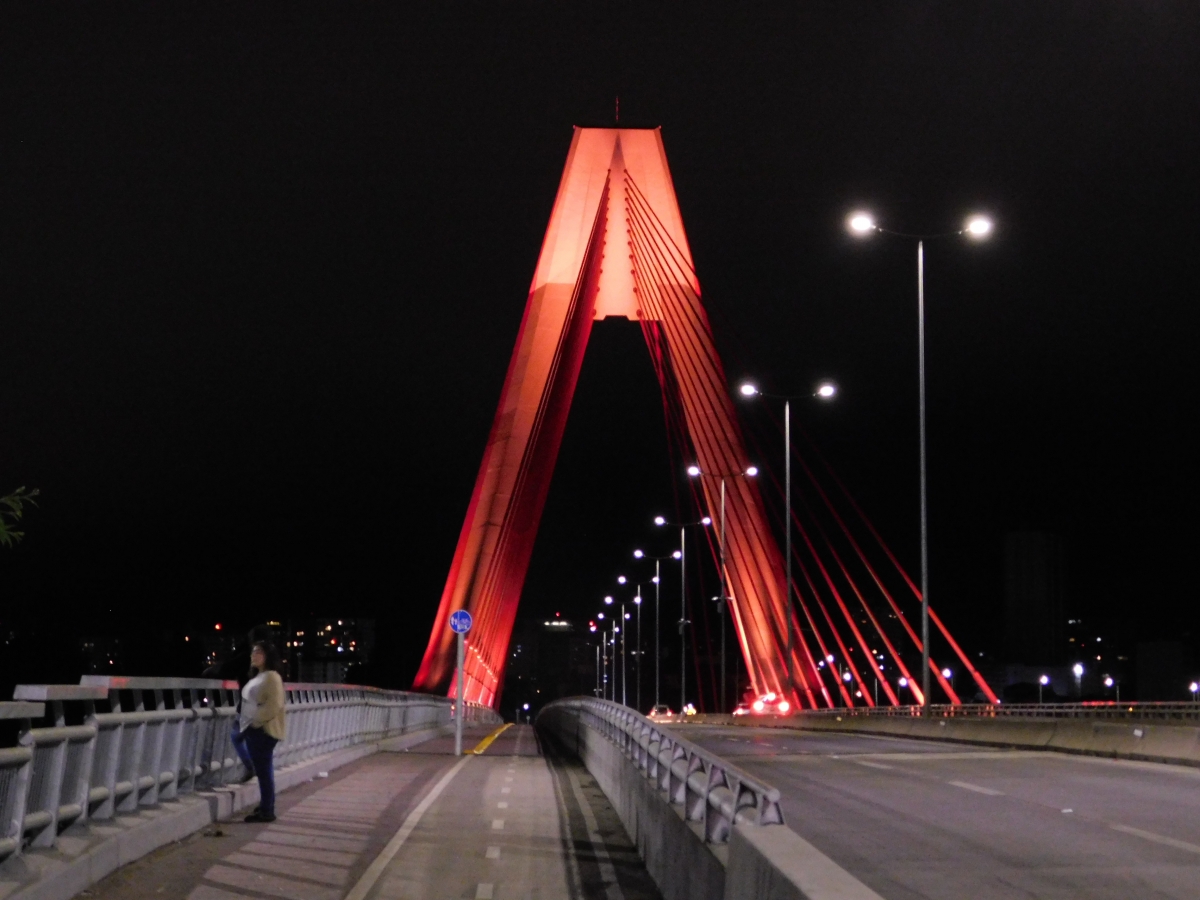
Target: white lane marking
<point>501,805</point>
<point>497,824</point>
<point>369,877</point>
<point>493,852</point>
<point>483,891</point>
<point>1157,838</point>
<point>872,765</point>
<point>506,790</point>
<point>608,874</point>
<point>967,786</point>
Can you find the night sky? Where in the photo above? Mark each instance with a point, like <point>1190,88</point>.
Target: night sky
<point>261,271</point>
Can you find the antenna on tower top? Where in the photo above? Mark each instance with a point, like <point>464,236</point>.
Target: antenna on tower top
<point>617,114</point>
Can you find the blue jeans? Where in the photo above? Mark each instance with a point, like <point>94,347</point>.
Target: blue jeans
<point>262,747</point>
<point>238,738</point>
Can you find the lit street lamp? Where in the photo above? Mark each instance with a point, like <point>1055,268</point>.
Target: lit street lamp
<point>638,554</point>
<point>976,228</point>
<point>825,390</point>
<point>1042,682</point>
<point>1078,670</point>
<point>682,526</point>
<point>1194,687</point>
<point>695,472</point>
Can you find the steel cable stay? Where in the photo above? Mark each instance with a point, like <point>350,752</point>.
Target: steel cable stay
<point>734,539</point>
<point>869,525</point>
<point>849,579</point>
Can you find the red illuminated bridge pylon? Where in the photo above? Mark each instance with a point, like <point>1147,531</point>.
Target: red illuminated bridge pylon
<point>615,246</point>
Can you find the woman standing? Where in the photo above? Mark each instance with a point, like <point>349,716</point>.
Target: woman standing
<point>262,724</point>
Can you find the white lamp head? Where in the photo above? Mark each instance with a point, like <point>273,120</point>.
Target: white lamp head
<point>638,554</point>
<point>678,554</point>
<point>752,471</point>
<point>620,579</point>
<point>1044,680</point>
<point>748,390</point>
<point>826,390</point>
<point>659,520</point>
<point>861,223</point>
<point>608,601</point>
<point>978,227</point>
<point>706,521</point>
<point>693,471</point>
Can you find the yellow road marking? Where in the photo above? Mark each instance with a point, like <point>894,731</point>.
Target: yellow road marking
<point>487,741</point>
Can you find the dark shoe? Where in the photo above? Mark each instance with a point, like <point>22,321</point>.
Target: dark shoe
<point>257,816</point>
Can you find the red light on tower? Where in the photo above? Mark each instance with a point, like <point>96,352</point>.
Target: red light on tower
<point>217,627</point>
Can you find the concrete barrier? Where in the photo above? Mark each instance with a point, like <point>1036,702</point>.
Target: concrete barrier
<point>1145,741</point>
<point>677,844</point>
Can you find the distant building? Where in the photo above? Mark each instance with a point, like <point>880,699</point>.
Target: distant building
<point>101,655</point>
<point>1034,598</point>
<point>321,651</point>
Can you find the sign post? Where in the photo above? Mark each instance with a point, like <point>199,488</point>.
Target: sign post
<point>460,624</point>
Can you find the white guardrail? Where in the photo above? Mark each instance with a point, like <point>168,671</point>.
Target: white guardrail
<point>711,792</point>
<point>140,741</point>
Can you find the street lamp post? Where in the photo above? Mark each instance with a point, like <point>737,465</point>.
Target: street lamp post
<point>978,228</point>
<point>695,472</point>
<point>826,390</point>
<point>1042,682</point>
<point>637,601</point>
<point>638,554</point>
<point>683,526</point>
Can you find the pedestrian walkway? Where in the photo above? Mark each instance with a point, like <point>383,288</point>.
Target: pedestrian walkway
<point>504,821</point>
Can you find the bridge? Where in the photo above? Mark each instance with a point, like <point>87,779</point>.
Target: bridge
<point>868,787</point>
<point>128,788</point>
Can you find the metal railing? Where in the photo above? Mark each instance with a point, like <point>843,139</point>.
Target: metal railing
<point>139,741</point>
<point>1099,709</point>
<point>712,793</point>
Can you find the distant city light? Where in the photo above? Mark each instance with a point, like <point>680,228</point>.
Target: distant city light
<point>608,600</point>
<point>946,673</point>
<point>903,682</point>
<point>620,579</point>
<point>1108,681</point>
<point>1078,670</point>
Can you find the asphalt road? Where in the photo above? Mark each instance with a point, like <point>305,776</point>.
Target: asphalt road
<point>920,819</point>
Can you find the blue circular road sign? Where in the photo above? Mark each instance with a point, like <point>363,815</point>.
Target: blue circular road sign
<point>460,621</point>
